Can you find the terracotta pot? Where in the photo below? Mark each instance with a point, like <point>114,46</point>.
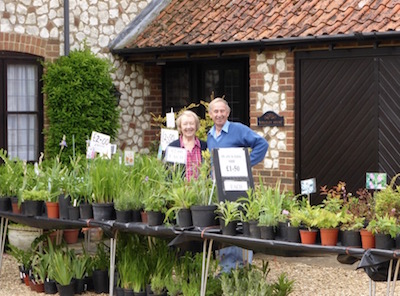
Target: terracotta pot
<point>52,209</point>
<point>308,237</point>
<point>71,236</point>
<point>367,239</point>
<point>329,236</point>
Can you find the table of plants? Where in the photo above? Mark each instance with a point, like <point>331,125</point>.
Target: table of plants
<point>154,242</point>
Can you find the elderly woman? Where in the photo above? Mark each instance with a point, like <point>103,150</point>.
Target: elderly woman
<point>188,123</point>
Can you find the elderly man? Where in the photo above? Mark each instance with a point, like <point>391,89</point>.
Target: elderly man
<point>226,134</point>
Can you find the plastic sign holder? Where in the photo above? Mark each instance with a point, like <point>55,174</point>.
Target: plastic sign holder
<point>232,172</point>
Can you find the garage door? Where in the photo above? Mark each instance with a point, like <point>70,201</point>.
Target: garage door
<point>348,119</point>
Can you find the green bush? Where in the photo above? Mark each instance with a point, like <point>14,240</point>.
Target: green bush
<point>80,99</point>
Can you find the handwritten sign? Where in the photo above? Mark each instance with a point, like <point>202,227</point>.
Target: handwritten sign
<point>231,185</point>
<point>232,162</point>
<point>168,136</point>
<point>175,155</point>
<point>308,186</point>
<point>99,139</point>
<point>376,180</point>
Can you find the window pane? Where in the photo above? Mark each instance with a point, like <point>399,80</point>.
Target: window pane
<point>177,88</point>
<point>233,93</point>
<point>22,92</point>
<point>22,136</point>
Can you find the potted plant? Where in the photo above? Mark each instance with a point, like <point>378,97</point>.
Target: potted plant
<point>79,269</point>
<point>181,197</point>
<point>24,259</point>
<point>328,223</point>
<point>61,271</point>
<point>229,214</point>
<point>34,201</point>
<point>101,261</point>
<point>307,214</point>
<point>251,207</point>
<point>385,229</point>
<point>203,209</point>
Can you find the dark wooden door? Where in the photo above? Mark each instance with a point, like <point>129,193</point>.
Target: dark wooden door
<point>348,119</point>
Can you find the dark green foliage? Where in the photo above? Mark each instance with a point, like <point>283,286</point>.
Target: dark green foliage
<point>79,100</point>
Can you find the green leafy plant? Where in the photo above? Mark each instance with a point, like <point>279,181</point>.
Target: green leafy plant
<point>101,259</point>
<point>251,206</point>
<point>385,225</point>
<point>307,214</point>
<point>11,175</point>
<point>80,99</point>
<point>228,211</point>
<point>61,267</point>
<point>327,219</point>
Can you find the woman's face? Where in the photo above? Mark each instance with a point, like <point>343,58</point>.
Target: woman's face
<point>188,126</point>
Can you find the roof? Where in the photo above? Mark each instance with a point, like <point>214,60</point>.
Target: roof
<point>205,22</point>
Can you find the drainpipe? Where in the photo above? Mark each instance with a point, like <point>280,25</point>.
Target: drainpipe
<point>66,27</point>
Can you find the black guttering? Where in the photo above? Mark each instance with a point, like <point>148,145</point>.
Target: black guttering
<point>290,41</point>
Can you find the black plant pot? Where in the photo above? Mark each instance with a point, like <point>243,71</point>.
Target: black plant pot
<point>293,234</point>
<point>103,211</point>
<point>79,286</point>
<point>73,213</point>
<point>384,241</point>
<point>100,281</point>
<point>33,208</point>
<point>128,292</point>
<point>351,238</point>
<point>204,216</point>
<point>50,287</point>
<point>68,290</point>
<point>184,218</point>
<point>119,291</point>
<point>267,232</point>
<point>85,211</point>
<point>89,283</point>
<point>123,216</point>
<point>155,218</point>
<point>63,204</point>
<point>246,228</point>
<point>254,229</point>
<point>141,293</point>
<point>136,216</point>
<point>5,204</point>
<point>229,229</point>
<point>281,231</point>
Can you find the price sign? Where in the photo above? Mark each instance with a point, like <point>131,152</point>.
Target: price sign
<point>168,136</point>
<point>230,185</point>
<point>232,162</point>
<point>175,155</point>
<point>99,139</point>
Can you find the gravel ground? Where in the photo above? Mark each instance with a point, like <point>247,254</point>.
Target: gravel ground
<point>313,276</point>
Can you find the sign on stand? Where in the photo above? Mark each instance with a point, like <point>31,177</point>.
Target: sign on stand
<point>232,172</point>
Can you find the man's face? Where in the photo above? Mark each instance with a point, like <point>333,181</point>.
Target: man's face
<point>219,114</point>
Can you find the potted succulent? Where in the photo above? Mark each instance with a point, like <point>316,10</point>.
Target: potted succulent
<point>229,214</point>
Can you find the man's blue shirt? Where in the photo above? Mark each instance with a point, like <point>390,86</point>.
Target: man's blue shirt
<point>235,134</point>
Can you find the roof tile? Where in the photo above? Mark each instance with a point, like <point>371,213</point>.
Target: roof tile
<point>205,21</point>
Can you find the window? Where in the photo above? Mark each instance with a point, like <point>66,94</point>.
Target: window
<point>21,106</point>
<point>190,82</point>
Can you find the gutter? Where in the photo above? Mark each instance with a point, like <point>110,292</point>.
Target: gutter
<point>289,41</point>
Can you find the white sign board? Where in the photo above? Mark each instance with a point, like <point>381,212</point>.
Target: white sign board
<point>308,186</point>
<point>170,120</point>
<point>231,185</point>
<point>175,155</point>
<point>232,162</point>
<point>168,136</point>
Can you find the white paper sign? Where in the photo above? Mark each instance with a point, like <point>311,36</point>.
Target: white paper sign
<point>308,186</point>
<point>168,136</point>
<point>129,157</point>
<point>99,139</point>
<point>232,162</point>
<point>232,185</point>
<point>170,120</point>
<point>175,155</point>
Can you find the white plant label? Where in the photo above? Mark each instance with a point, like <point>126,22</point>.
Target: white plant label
<point>231,185</point>
<point>175,155</point>
<point>168,136</point>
